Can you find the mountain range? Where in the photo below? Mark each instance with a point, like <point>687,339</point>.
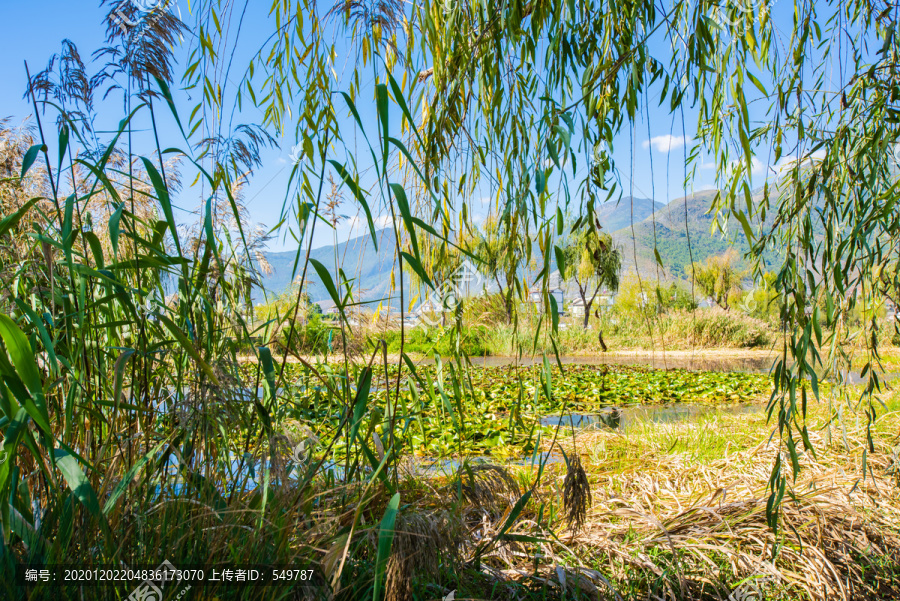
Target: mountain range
<point>682,231</point>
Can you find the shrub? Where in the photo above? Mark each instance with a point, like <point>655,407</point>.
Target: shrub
<point>475,341</point>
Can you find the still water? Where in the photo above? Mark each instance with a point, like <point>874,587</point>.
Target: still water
<point>753,364</point>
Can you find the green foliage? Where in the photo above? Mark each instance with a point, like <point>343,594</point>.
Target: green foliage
<point>639,297</point>
<point>762,301</point>
<point>498,246</point>
<point>584,72</point>
<point>474,341</point>
<point>684,329</point>
<point>293,322</point>
<point>719,278</point>
<point>593,262</point>
<point>123,329</point>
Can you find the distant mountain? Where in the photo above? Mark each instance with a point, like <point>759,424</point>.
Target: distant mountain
<point>616,215</point>
<point>668,225</point>
<point>368,267</point>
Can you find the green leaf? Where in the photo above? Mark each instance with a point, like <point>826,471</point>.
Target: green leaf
<point>78,482</point>
<point>325,276</point>
<point>417,267</point>
<point>560,261</point>
<point>167,94</point>
<point>360,197</point>
<point>14,432</point>
<point>402,148</point>
<point>403,204</point>
<point>756,82</point>
<point>398,96</point>
<point>551,150</point>
<point>63,143</point>
<point>564,134</point>
<point>510,520</point>
<point>27,370</point>
<point>363,386</point>
<point>36,321</point>
<point>554,313</point>
<point>268,368</point>
<point>122,486</point>
<point>748,232</point>
<point>381,100</point>
<point>114,221</point>
<point>795,459</point>
<point>11,220</point>
<point>96,248</point>
<point>30,157</point>
<point>385,540</point>
<point>119,370</point>
<point>162,193</point>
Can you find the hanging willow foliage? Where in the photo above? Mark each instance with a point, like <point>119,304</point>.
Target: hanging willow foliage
<point>505,97</point>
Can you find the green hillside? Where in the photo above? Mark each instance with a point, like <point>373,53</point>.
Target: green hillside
<point>682,231</point>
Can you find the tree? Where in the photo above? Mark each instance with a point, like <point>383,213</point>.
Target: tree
<point>718,276</point>
<point>594,263</point>
<point>497,245</point>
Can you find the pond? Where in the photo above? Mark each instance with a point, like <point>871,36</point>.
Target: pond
<point>753,363</point>
<point>247,469</point>
<point>747,364</point>
<point>621,418</point>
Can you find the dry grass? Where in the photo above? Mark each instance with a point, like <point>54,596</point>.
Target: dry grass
<point>678,511</point>
<point>681,509</point>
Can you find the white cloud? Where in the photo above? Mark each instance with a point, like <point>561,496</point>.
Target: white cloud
<point>666,143</point>
<point>757,167</point>
<point>358,223</point>
<point>789,162</point>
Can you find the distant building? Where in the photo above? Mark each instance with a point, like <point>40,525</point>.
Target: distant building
<point>536,296</point>
<point>890,311</point>
<point>576,307</point>
<point>605,299</point>
<point>602,302</point>
<point>556,289</point>
<point>706,303</point>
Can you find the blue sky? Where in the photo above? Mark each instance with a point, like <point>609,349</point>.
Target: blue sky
<point>658,150</point>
